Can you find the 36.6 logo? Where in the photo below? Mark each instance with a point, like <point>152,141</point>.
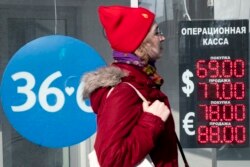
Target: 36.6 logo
<point>41,91</point>
<point>44,92</point>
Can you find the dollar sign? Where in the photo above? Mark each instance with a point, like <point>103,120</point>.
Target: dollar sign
<point>189,88</point>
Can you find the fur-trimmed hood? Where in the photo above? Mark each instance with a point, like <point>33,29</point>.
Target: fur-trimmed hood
<point>103,77</point>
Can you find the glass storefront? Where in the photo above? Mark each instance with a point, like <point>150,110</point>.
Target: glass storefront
<point>22,21</point>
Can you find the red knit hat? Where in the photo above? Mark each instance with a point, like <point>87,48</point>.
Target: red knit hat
<point>125,27</point>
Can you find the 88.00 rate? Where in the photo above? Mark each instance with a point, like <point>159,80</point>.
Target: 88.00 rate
<point>221,134</point>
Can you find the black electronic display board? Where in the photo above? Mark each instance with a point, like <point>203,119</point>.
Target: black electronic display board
<point>214,83</point>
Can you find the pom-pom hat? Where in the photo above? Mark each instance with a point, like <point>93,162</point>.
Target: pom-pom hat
<point>125,27</point>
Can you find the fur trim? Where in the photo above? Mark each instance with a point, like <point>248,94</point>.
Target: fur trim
<point>103,77</point>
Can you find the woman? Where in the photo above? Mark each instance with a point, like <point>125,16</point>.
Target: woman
<point>127,128</point>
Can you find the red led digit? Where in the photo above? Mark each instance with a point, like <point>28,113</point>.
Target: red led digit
<point>201,71</point>
<point>215,93</point>
<point>228,134</point>
<point>239,90</point>
<point>240,134</point>
<point>228,112</point>
<point>227,92</point>
<point>239,68</point>
<point>202,134</point>
<point>203,88</point>
<point>214,112</point>
<point>213,66</point>
<point>240,112</point>
<point>214,134</point>
<point>227,68</point>
<point>205,108</point>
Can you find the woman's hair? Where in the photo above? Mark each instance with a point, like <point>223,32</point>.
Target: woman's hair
<point>143,50</point>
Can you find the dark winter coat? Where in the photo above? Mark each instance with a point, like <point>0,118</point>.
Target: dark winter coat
<point>125,133</point>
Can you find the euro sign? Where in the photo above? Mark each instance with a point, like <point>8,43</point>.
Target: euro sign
<point>188,123</point>
<point>189,88</point>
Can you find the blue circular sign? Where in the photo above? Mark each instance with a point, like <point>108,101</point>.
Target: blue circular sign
<point>41,91</point>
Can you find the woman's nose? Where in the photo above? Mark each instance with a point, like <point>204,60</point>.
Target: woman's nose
<point>162,38</point>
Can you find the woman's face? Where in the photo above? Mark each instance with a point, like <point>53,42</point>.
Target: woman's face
<point>154,41</point>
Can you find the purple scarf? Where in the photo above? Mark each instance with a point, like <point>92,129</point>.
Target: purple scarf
<point>130,58</point>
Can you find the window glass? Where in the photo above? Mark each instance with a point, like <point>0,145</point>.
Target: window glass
<point>168,15</point>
